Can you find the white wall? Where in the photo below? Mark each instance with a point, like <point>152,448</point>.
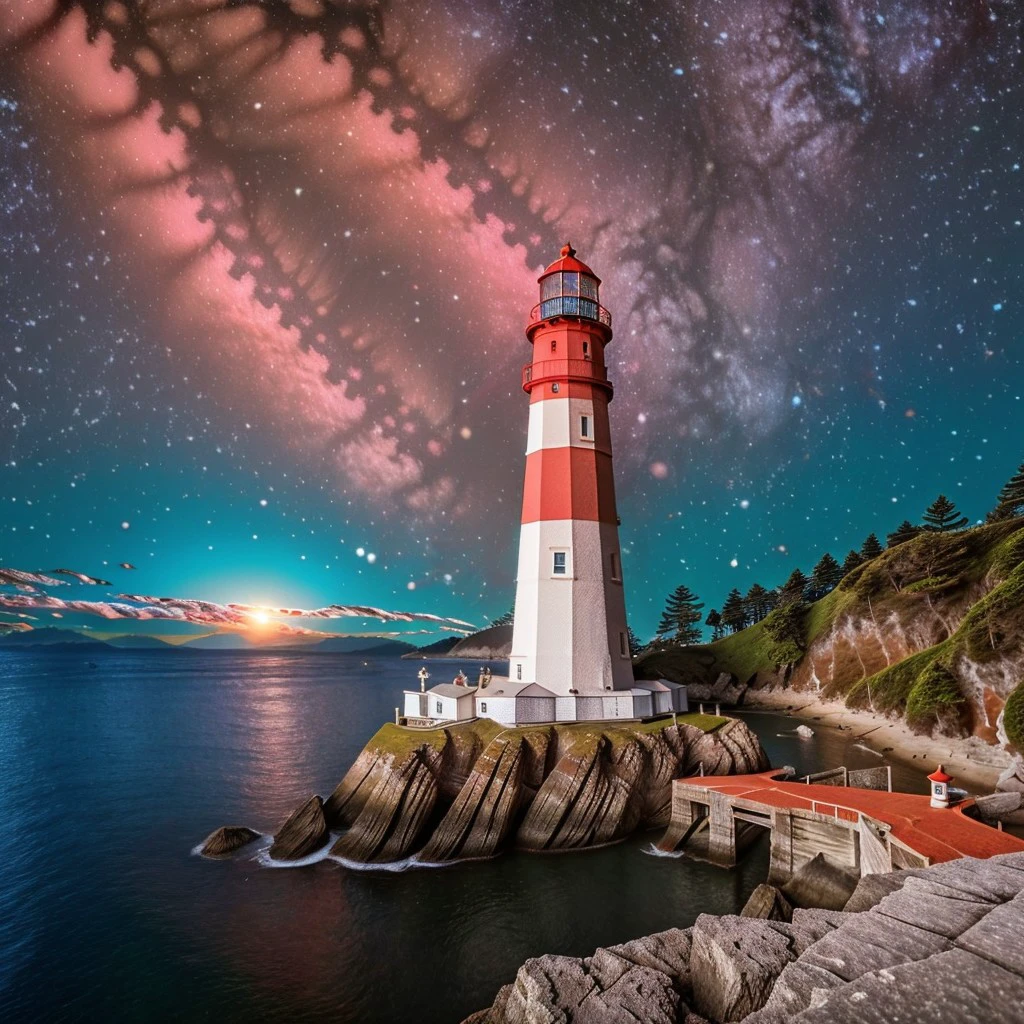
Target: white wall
<point>501,709</point>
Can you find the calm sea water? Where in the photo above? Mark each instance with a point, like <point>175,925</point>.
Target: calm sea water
<point>111,772</point>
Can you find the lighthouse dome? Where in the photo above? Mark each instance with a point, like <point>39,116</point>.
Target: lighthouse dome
<point>568,287</point>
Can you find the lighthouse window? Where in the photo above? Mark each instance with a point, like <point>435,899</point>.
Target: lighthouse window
<point>554,388</point>
<point>570,284</point>
<point>623,646</point>
<point>588,287</point>
<point>519,672</point>
<point>585,426</point>
<point>586,350</point>
<point>615,565</point>
<point>551,287</point>
<point>554,344</point>
<point>558,564</point>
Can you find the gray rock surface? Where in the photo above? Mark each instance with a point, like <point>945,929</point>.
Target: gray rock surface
<point>303,833</point>
<point>1007,807</point>
<point>940,944</point>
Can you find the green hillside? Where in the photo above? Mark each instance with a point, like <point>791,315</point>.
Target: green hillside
<point>932,629</point>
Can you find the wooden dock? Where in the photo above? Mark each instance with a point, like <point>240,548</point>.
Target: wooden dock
<point>861,830</point>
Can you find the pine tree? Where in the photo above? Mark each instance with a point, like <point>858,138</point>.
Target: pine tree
<point>827,573</point>
<point>871,548</point>
<point>1011,498</point>
<point>507,619</point>
<point>904,532</point>
<point>758,603</point>
<point>794,590</point>
<point>734,612</point>
<point>681,617</point>
<point>636,645</point>
<point>851,562</point>
<point>942,516</point>
<point>714,620</point>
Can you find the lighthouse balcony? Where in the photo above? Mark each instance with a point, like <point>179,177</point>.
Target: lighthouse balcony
<point>583,371</point>
<point>569,305</point>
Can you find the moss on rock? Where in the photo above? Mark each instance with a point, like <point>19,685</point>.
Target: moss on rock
<point>1013,717</point>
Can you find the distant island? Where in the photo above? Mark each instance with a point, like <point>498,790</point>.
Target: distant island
<point>493,643</point>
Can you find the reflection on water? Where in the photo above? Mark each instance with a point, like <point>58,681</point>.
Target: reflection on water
<point>112,775</point>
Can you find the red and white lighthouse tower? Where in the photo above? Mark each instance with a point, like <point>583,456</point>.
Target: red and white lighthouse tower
<point>570,619</point>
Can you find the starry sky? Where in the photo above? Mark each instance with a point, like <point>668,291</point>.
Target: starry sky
<point>265,267</point>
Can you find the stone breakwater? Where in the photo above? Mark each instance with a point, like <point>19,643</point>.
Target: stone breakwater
<point>474,788</point>
<point>939,944</point>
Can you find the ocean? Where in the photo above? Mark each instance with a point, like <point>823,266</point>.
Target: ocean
<point>114,765</point>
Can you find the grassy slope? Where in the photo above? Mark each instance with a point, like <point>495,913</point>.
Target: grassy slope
<point>394,739</point>
<point>932,572</point>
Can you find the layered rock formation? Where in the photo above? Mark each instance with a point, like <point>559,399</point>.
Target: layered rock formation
<point>469,790</point>
<point>303,833</point>
<point>224,841</point>
<point>939,944</point>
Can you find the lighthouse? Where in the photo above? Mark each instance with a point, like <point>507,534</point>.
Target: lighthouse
<point>570,657</point>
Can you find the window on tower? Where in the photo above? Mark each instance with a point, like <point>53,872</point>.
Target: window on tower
<point>558,563</point>
<point>614,558</point>
<point>586,350</point>
<point>623,645</point>
<point>554,345</point>
<point>519,672</point>
<point>585,427</point>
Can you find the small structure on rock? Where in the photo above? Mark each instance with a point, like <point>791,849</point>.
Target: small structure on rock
<point>940,787</point>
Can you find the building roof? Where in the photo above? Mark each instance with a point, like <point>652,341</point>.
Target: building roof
<point>534,690</point>
<point>937,833</point>
<point>451,690</point>
<point>939,775</point>
<point>658,685</point>
<point>568,261</point>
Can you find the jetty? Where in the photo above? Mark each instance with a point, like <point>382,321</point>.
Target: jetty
<point>864,831</point>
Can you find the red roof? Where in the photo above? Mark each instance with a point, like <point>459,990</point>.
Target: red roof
<point>567,261</point>
<point>940,776</point>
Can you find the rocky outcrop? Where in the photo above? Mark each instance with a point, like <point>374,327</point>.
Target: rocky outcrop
<point>303,833</point>
<point>768,903</point>
<point>472,789</point>
<point>226,840</point>
<point>938,944</point>
<point>489,644</point>
<point>726,689</point>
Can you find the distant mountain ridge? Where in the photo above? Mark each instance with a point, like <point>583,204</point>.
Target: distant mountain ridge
<point>53,637</point>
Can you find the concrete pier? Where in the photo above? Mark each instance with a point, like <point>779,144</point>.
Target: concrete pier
<point>863,831</point>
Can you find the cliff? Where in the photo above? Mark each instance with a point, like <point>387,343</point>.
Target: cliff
<point>931,630</point>
<point>939,944</point>
<point>469,790</point>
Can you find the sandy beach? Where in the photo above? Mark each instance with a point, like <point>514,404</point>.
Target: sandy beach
<point>976,765</point>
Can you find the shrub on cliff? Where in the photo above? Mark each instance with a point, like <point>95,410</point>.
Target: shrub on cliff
<point>785,631</point>
<point>1013,717</point>
<point>936,700</point>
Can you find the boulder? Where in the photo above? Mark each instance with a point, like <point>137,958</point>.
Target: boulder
<point>726,689</point>
<point>227,839</point>
<point>805,732</point>
<point>1012,778</point>
<point>819,883</point>
<point>1006,806</point>
<point>768,903</point>
<point>734,963</point>
<point>303,833</point>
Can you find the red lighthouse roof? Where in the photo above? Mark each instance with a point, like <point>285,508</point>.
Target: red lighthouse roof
<point>939,775</point>
<point>567,261</point>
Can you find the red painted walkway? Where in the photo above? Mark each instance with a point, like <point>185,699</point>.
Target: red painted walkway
<point>937,833</point>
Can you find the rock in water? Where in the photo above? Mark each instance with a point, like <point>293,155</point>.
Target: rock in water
<point>767,903</point>
<point>227,839</point>
<point>805,732</point>
<point>303,833</point>
<point>817,883</point>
